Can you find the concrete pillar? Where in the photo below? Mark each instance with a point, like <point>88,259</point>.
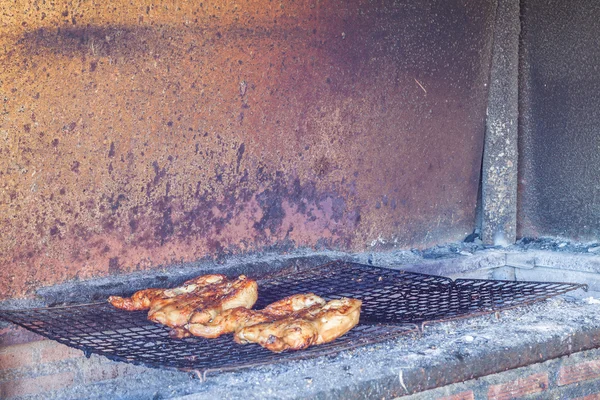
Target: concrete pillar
<point>499,169</point>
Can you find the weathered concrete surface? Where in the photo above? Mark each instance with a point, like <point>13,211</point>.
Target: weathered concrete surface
<point>137,134</point>
<point>500,155</point>
<point>559,164</point>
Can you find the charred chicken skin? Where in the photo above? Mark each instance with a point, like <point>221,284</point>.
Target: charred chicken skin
<point>197,300</point>
<point>237,318</point>
<point>315,325</point>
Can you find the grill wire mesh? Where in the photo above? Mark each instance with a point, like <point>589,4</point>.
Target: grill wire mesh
<point>394,303</point>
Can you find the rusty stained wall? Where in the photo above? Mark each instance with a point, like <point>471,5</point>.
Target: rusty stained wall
<point>139,134</point>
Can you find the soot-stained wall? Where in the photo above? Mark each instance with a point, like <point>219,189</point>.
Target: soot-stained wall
<point>147,133</point>
<point>559,163</point>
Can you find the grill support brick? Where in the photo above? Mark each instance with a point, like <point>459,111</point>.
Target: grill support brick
<point>595,396</point>
<point>53,351</point>
<point>36,385</point>
<point>17,356</point>
<point>35,353</point>
<point>101,370</point>
<point>535,383</point>
<point>13,334</point>
<point>467,395</point>
<point>584,371</point>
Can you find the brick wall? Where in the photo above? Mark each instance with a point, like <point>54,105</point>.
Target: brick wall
<point>576,377</point>
<point>36,367</point>
<point>42,369</point>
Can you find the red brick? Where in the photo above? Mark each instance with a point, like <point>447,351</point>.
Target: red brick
<point>103,372</point>
<point>40,384</point>
<point>579,372</point>
<point>17,356</point>
<point>535,383</point>
<point>56,352</point>
<point>13,334</point>
<point>459,396</point>
<point>595,396</point>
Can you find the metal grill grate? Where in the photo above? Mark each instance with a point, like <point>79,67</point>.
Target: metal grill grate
<point>393,303</point>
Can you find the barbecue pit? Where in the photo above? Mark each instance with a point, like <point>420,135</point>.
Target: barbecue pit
<point>143,143</point>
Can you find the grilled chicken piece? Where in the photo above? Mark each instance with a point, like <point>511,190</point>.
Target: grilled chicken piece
<point>200,299</point>
<point>204,303</point>
<point>315,325</point>
<point>237,318</point>
<point>143,299</point>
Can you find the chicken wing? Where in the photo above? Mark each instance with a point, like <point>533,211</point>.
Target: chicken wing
<point>315,325</point>
<point>237,318</point>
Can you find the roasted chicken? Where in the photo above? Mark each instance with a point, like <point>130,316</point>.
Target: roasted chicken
<point>212,305</point>
<point>198,300</point>
<point>314,325</point>
<point>237,318</point>
<point>143,299</point>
